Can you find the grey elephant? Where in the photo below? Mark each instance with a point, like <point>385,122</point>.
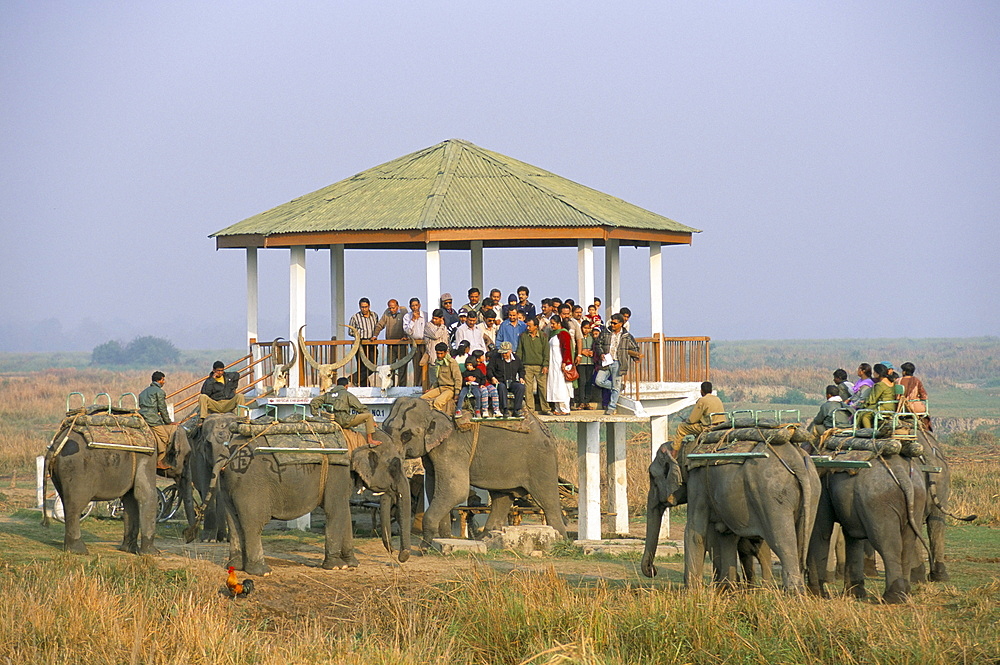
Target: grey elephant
<point>884,505</point>
<point>89,460</point>
<point>498,459</point>
<point>209,445</point>
<point>772,499</point>
<point>262,486</point>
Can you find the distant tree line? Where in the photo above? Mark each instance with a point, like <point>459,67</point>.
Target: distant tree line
<point>147,351</point>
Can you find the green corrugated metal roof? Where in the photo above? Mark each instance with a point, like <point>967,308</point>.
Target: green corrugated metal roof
<point>452,185</point>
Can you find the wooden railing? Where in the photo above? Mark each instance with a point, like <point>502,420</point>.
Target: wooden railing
<point>671,359</point>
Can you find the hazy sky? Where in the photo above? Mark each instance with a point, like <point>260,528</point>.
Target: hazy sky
<point>841,158</point>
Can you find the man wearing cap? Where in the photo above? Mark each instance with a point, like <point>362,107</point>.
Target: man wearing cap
<point>506,372</point>
<point>218,392</point>
<point>450,315</point>
<point>448,379</point>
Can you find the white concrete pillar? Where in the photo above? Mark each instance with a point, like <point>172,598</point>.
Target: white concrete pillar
<point>252,319</point>
<point>296,300</point>
<point>585,272</point>
<point>476,272</point>
<point>618,477</point>
<point>40,480</point>
<point>433,277</point>
<point>588,442</point>
<point>252,282</point>
<point>612,279</point>
<point>658,430</point>
<point>656,301</point>
<point>338,293</point>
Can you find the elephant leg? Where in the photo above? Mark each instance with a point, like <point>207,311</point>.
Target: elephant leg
<point>724,557</point>
<point>339,549</point>
<point>449,490</point>
<point>251,523</point>
<point>500,505</point>
<point>236,541</point>
<point>897,570</point>
<point>130,522</point>
<point>785,546</point>
<point>149,508</point>
<point>694,539</point>
<point>547,496</point>
<point>854,573</point>
<point>73,507</point>
<point>766,568</point>
<point>819,549</point>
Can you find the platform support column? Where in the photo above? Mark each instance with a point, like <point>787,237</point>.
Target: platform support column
<point>476,268</point>
<point>296,301</point>
<point>585,272</point>
<point>588,441</point>
<point>660,434</point>
<point>656,302</point>
<point>338,293</point>
<point>252,299</point>
<point>433,277</point>
<point>617,477</point>
<point>612,279</point>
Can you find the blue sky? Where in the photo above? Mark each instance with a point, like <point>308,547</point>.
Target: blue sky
<point>841,158</point>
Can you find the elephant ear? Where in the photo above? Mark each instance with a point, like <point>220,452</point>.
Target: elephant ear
<point>665,479</point>
<point>439,428</point>
<point>178,451</point>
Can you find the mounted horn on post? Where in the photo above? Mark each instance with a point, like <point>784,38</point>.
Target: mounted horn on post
<point>327,371</point>
<point>382,375</point>
<point>279,375</point>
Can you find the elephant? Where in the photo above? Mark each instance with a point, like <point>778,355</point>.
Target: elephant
<point>885,505</point>
<point>772,498</point>
<point>497,459</point>
<point>209,444</point>
<point>257,488</point>
<point>82,473</point>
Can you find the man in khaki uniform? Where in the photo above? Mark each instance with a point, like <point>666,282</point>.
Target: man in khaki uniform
<point>700,418</point>
<point>347,409</point>
<point>153,409</point>
<point>447,381</point>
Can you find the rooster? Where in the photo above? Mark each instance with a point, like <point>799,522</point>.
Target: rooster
<point>236,588</point>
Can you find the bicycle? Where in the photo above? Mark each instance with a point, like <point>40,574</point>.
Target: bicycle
<point>168,501</point>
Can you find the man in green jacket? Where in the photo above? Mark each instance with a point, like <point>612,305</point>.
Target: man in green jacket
<point>345,409</point>
<point>153,409</point>
<point>533,348</point>
<point>447,381</point>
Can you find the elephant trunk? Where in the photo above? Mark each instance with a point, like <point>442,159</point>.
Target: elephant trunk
<point>654,516</point>
<point>385,512</point>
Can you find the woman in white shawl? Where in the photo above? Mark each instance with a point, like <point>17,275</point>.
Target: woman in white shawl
<point>560,391</point>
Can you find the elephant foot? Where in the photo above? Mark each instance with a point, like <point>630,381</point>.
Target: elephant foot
<point>857,589</point>
<point>76,547</point>
<point>897,593</point>
<point>940,573</point>
<point>257,568</point>
<point>338,563</point>
<point>131,548</point>
<point>149,550</point>
<point>403,556</point>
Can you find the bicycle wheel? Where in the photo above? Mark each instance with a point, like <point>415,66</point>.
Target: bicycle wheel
<point>60,514</point>
<point>169,502</point>
<point>115,508</point>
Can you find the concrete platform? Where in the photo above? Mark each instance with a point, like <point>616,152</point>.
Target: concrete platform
<point>628,546</point>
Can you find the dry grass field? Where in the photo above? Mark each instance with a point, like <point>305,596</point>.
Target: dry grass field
<point>111,607</point>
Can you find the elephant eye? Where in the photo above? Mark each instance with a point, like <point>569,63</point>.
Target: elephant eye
<point>406,436</point>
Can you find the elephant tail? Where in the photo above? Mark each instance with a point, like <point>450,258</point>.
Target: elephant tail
<point>907,489</point>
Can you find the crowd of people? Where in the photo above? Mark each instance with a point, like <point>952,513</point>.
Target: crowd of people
<point>505,355</point>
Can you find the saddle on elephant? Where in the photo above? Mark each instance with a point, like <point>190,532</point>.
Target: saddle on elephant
<point>106,427</point>
<point>296,442</point>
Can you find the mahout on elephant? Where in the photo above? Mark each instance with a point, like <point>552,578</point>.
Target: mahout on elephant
<point>260,486</point>
<point>102,453</point>
<point>497,457</point>
<point>884,504</point>
<point>770,498</point>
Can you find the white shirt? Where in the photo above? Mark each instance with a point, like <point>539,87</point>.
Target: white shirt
<point>415,329</point>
